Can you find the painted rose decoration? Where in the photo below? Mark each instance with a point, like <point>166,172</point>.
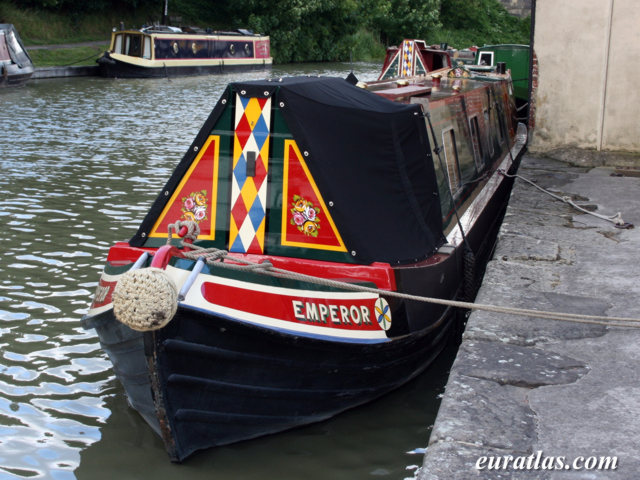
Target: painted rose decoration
<point>194,207</point>
<point>305,216</point>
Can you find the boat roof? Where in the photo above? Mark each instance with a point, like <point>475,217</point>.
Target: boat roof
<point>505,46</point>
<point>184,31</point>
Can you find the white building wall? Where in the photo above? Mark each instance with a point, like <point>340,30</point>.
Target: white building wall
<point>588,69</point>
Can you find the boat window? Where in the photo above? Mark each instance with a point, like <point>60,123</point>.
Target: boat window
<point>451,159</point>
<point>478,152</point>
<point>117,45</point>
<point>133,45</point>
<point>502,128</point>
<point>146,53</point>
<point>485,58</point>
<point>446,200</point>
<point>489,126</point>
<point>439,61</point>
<point>496,130</point>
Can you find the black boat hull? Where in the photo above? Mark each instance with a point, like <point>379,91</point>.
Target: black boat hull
<point>195,380</point>
<point>212,371</point>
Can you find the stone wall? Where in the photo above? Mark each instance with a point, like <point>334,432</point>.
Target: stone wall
<point>588,62</point>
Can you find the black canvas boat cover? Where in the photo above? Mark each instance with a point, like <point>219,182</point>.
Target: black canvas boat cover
<point>369,156</point>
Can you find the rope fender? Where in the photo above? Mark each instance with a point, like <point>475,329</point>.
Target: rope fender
<point>145,299</point>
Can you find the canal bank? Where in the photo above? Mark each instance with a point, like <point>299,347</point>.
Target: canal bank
<point>62,72</point>
<point>66,70</point>
<point>525,389</point>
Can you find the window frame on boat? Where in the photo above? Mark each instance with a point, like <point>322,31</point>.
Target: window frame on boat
<point>451,160</point>
<point>122,45</point>
<point>476,142</point>
<point>494,122</point>
<point>484,54</point>
<point>491,150</point>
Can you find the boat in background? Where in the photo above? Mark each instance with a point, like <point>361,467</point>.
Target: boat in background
<point>284,273</point>
<point>412,58</point>
<point>165,51</point>
<point>466,56</point>
<point>515,58</point>
<point>16,66</point>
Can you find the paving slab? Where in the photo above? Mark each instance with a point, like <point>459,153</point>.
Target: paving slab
<point>539,394</point>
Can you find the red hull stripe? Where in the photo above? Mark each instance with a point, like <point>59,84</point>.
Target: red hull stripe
<point>338,314</point>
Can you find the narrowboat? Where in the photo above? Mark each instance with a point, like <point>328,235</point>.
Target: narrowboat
<point>16,66</point>
<point>412,58</point>
<point>515,58</point>
<point>165,51</point>
<point>280,276</point>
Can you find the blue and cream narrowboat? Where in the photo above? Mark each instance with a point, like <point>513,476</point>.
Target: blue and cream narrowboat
<point>163,51</point>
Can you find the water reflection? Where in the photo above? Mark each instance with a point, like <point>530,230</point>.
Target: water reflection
<point>81,161</point>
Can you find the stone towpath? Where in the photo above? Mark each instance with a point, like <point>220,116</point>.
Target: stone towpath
<point>535,388</point>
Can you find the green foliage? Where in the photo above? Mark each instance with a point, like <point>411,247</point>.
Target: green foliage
<point>84,6</point>
<point>300,30</point>
<point>479,22</point>
<point>396,20</point>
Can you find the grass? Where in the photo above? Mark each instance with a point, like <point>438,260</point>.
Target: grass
<point>62,57</point>
<point>39,27</point>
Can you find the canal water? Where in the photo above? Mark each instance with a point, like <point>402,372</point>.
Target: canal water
<point>81,161</point>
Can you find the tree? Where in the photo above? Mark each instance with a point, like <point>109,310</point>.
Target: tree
<point>302,30</point>
<point>395,20</point>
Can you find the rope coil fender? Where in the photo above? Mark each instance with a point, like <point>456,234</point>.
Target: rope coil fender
<point>145,299</point>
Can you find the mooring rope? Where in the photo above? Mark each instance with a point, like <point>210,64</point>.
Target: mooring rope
<point>615,219</point>
<point>217,256</point>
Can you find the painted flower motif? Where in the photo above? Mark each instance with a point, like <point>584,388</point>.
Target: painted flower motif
<point>310,212</point>
<point>299,205</point>
<point>298,218</point>
<point>194,207</point>
<point>310,227</point>
<point>200,198</point>
<point>200,213</point>
<point>305,216</point>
